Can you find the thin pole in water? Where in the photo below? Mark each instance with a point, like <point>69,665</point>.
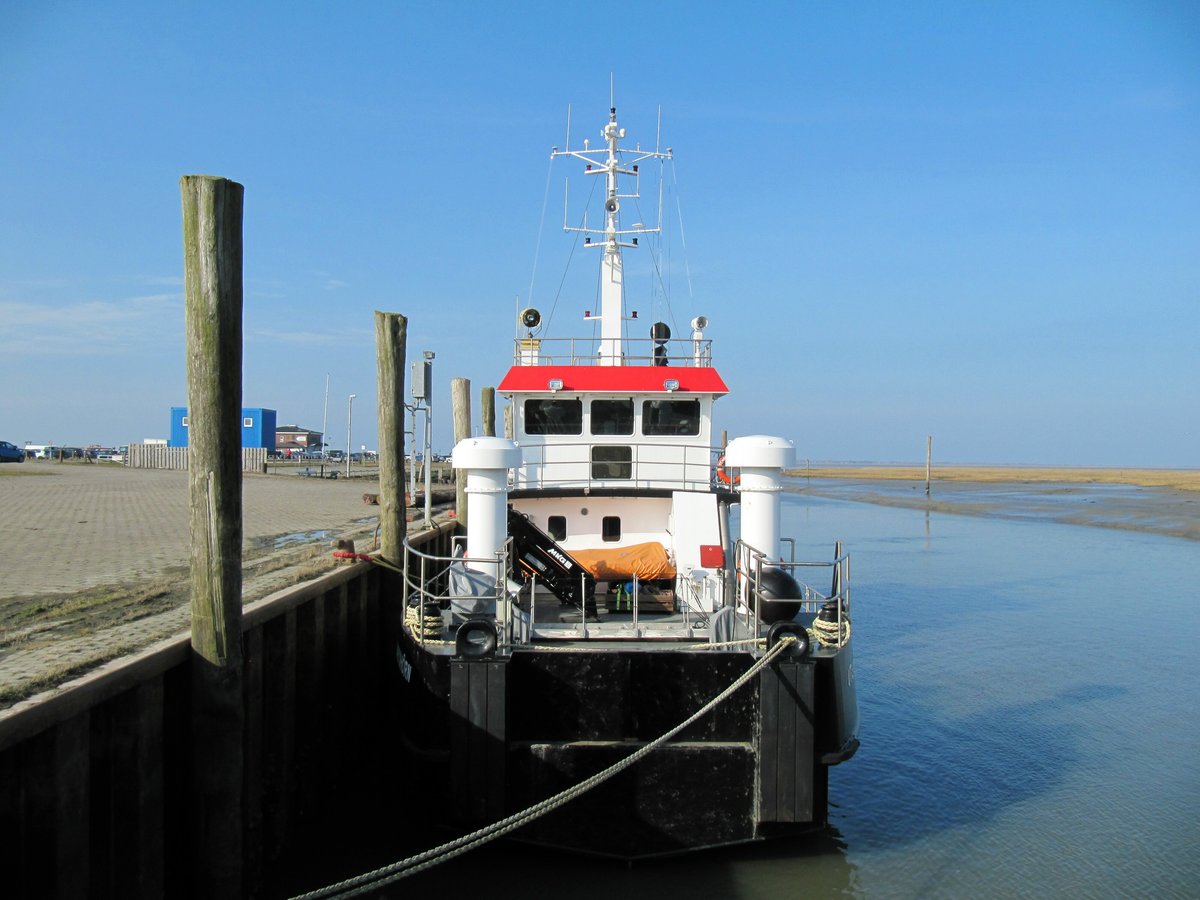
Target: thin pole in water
<point>928,459</point>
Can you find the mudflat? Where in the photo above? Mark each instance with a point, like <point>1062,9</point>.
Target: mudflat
<point>1154,501</point>
<point>1175,479</point>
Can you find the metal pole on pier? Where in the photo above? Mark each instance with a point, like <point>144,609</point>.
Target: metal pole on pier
<point>427,444</point>
<point>349,425</point>
<point>212,256</point>
<point>391,338</point>
<point>325,419</point>
<point>460,401</point>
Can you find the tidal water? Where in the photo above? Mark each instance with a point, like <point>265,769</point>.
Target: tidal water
<point>1029,724</point>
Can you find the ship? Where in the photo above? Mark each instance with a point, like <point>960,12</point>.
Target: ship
<point>620,653</point>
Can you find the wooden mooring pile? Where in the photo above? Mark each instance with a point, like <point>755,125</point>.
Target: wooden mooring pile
<point>213,764</point>
<point>98,783</point>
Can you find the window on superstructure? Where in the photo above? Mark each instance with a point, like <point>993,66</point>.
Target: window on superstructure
<point>557,526</point>
<point>670,417</point>
<point>557,416</point>
<point>612,417</point>
<point>612,462</point>
<point>610,528</point>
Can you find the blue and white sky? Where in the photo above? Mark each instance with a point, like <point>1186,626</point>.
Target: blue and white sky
<point>976,221</point>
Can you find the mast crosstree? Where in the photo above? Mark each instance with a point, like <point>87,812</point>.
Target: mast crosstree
<point>613,162</point>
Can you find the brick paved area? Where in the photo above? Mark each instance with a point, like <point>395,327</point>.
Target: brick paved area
<point>73,527</point>
<point>79,526</point>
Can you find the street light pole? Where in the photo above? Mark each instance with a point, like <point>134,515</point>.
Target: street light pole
<point>325,419</point>
<point>349,422</point>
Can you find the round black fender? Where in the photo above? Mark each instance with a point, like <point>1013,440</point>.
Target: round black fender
<point>797,649</point>
<point>775,586</point>
<point>476,639</point>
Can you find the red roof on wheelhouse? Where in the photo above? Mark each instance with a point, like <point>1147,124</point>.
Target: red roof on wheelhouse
<point>613,379</point>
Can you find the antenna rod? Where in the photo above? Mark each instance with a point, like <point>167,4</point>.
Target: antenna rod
<point>567,146</point>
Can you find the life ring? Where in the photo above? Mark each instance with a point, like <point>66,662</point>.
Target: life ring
<point>723,473</point>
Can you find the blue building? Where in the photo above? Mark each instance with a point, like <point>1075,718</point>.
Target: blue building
<point>258,427</point>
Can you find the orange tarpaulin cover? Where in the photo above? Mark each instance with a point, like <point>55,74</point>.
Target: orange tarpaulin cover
<point>647,561</point>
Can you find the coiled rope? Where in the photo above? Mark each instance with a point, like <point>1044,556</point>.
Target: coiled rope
<point>829,633</point>
<point>360,884</point>
<point>424,626</point>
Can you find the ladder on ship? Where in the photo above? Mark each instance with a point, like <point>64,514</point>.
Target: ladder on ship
<point>536,554</point>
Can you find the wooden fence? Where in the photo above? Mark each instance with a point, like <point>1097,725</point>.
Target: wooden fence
<point>95,789</point>
<point>160,456</point>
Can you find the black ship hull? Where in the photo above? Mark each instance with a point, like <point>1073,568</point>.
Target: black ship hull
<point>511,731</point>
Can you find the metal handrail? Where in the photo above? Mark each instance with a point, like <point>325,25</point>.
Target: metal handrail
<point>534,468</point>
<point>587,351</point>
<point>441,566</point>
<point>748,566</point>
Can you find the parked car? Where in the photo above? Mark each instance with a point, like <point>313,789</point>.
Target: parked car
<point>312,454</point>
<point>11,453</point>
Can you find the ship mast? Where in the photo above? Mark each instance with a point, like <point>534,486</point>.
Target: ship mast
<point>609,161</point>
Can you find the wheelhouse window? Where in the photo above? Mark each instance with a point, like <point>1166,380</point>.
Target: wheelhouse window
<point>671,417</point>
<point>612,417</point>
<point>612,462</point>
<point>557,416</point>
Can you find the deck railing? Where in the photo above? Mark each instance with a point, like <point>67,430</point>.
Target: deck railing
<point>678,352</point>
<point>672,466</point>
<point>750,564</point>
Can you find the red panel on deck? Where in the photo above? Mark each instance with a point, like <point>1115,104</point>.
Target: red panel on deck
<point>612,379</point>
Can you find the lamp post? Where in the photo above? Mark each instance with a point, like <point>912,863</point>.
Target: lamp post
<point>325,420</point>
<point>349,422</point>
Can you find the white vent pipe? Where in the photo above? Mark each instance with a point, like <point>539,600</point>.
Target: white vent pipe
<point>486,461</point>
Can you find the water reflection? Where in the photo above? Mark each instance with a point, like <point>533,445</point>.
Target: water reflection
<point>1023,686</point>
<point>1028,693</point>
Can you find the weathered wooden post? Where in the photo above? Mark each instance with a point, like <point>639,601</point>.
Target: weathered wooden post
<point>391,331</point>
<point>487,410</point>
<point>212,254</point>
<point>460,401</point>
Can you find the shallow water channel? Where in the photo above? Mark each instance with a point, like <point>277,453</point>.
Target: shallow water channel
<point>1029,726</point>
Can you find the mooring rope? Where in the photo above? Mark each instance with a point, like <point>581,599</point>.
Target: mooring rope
<point>830,633</point>
<point>360,884</point>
